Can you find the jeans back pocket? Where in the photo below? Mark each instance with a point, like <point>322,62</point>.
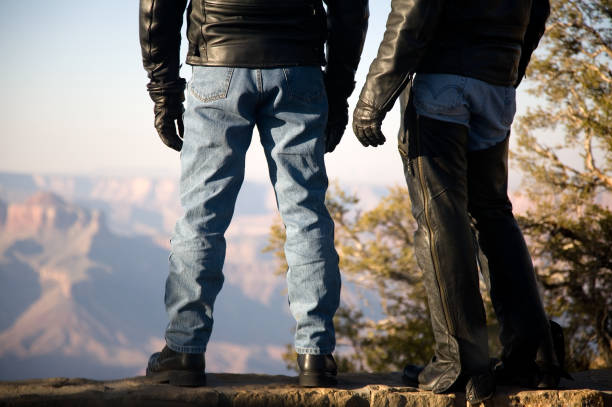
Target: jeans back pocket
<point>209,83</point>
<point>304,83</point>
<point>439,94</point>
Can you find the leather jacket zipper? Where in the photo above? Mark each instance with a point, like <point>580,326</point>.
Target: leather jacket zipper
<point>432,251</point>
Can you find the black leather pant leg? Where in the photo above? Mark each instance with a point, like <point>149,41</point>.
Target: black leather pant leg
<point>514,292</point>
<point>435,162</point>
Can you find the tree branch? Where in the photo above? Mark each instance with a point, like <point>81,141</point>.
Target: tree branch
<point>606,78</point>
<point>590,161</point>
<point>545,152</point>
<point>583,24</point>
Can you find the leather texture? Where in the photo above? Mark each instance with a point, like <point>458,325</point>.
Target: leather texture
<point>435,173</point>
<point>367,125</point>
<point>337,120</point>
<point>558,342</point>
<point>256,33</point>
<point>347,23</point>
<point>168,359</point>
<point>525,332</point>
<point>177,368</point>
<point>317,370</point>
<point>490,40</point>
<point>479,388</point>
<point>540,11</point>
<point>544,373</point>
<point>485,39</point>
<point>252,34</point>
<point>168,99</point>
<point>317,363</point>
<point>160,23</point>
<point>410,374</point>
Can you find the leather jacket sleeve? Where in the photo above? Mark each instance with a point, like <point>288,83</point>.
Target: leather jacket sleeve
<point>160,38</point>
<point>540,10</point>
<point>411,25</point>
<point>347,24</point>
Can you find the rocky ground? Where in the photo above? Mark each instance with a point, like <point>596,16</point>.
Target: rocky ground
<point>589,389</point>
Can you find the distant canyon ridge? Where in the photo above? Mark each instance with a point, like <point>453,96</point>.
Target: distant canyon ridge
<point>83,261</point>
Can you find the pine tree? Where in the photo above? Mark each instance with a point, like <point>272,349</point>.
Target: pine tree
<point>565,151</point>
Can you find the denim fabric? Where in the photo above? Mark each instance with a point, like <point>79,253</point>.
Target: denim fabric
<point>289,108</point>
<point>487,110</point>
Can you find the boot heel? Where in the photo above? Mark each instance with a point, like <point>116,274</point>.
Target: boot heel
<point>186,379</point>
<point>317,380</point>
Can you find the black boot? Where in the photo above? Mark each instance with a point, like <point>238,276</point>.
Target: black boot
<point>540,374</point>
<point>177,368</point>
<point>551,374</point>
<point>410,375</point>
<point>317,370</point>
<point>478,388</point>
<point>551,369</point>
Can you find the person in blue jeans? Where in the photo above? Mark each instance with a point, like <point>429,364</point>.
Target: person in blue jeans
<point>256,64</point>
<point>463,60</point>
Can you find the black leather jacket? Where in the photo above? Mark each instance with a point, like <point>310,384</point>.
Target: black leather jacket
<point>252,33</point>
<point>491,40</point>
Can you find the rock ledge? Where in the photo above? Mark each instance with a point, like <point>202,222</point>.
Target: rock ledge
<point>590,389</point>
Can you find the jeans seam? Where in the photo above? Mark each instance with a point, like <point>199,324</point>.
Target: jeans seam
<point>259,76</point>
<point>311,98</point>
<point>185,349</point>
<point>314,351</point>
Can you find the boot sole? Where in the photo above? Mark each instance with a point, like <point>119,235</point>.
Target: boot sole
<point>317,380</point>
<point>474,394</point>
<point>477,401</point>
<point>179,378</point>
<point>410,382</point>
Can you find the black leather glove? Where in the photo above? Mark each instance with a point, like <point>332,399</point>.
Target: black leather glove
<point>337,119</point>
<point>336,124</point>
<point>169,98</point>
<point>366,125</point>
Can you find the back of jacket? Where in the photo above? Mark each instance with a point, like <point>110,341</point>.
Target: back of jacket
<point>491,40</point>
<point>253,34</point>
<point>256,33</point>
<point>479,38</point>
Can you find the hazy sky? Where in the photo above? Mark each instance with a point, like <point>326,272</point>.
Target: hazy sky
<point>74,100</point>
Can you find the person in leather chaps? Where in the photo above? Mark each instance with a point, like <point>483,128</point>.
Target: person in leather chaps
<point>255,63</point>
<point>456,65</point>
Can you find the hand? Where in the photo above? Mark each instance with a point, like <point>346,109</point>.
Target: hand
<point>169,109</point>
<point>336,123</point>
<point>339,85</point>
<point>366,125</point>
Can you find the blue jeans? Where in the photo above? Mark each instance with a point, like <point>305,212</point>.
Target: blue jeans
<point>487,110</point>
<point>289,108</point>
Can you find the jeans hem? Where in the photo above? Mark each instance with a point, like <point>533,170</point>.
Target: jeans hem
<point>185,349</point>
<point>313,351</point>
